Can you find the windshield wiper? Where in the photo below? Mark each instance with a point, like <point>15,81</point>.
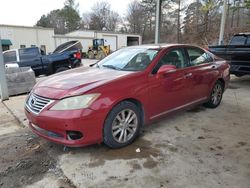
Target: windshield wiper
<point>111,67</point>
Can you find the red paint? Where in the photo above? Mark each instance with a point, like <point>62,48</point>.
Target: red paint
<point>157,94</point>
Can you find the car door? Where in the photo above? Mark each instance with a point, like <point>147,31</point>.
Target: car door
<point>30,57</point>
<point>170,92</point>
<point>202,72</point>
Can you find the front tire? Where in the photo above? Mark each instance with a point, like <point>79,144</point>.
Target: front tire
<point>122,125</point>
<point>216,95</point>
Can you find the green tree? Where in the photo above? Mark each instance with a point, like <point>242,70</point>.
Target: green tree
<point>62,20</point>
<point>247,3</point>
<point>71,15</point>
<point>53,19</point>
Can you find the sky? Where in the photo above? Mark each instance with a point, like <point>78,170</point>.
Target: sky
<point>28,12</point>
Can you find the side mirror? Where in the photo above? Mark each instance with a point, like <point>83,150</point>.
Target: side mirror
<point>165,69</point>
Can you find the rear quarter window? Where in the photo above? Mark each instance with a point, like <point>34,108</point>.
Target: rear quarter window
<point>198,56</point>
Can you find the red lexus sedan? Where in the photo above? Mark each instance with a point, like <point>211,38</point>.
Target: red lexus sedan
<point>111,101</point>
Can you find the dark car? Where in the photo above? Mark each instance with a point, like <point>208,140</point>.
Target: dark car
<point>65,56</point>
<point>133,86</point>
<point>237,53</point>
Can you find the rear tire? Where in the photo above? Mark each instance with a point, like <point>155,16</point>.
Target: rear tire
<point>62,69</point>
<point>216,95</point>
<point>122,125</point>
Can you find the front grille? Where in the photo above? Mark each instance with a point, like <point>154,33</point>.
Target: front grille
<point>36,104</point>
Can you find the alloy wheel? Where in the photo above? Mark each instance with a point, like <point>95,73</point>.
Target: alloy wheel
<point>124,125</point>
<point>216,94</point>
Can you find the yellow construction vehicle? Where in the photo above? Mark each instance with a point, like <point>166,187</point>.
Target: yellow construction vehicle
<point>98,50</point>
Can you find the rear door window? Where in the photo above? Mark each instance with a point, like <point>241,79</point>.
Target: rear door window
<point>9,57</point>
<point>198,56</point>
<point>28,53</point>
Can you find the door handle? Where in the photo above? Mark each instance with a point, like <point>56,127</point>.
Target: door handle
<point>188,75</point>
<point>214,67</point>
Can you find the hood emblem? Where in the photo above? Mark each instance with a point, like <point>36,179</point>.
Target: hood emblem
<point>33,101</point>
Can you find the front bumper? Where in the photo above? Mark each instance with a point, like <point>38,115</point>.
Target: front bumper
<point>55,126</point>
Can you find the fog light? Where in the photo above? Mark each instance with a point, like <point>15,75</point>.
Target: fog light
<point>74,135</point>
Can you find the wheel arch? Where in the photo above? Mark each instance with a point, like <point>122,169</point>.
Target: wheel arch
<point>223,82</point>
<point>137,102</point>
<point>139,105</point>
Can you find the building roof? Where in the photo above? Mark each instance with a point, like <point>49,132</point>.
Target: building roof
<point>96,31</point>
<point>29,27</point>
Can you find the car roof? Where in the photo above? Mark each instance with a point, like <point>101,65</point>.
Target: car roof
<point>9,50</point>
<point>242,34</point>
<point>161,45</point>
<point>19,49</point>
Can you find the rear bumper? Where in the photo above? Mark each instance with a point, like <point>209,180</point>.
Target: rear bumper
<point>55,126</point>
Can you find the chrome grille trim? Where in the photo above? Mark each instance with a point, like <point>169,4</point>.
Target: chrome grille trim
<point>36,104</point>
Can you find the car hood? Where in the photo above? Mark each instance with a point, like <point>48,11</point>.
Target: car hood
<point>76,81</point>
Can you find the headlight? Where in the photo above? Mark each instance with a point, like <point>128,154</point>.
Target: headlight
<point>76,102</point>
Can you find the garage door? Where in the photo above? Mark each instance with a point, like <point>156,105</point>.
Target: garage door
<point>112,41</point>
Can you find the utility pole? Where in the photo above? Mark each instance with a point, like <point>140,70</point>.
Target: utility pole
<point>3,84</point>
<point>157,21</point>
<point>178,22</point>
<point>222,23</point>
<point>197,15</point>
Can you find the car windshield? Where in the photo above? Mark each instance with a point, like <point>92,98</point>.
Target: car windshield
<point>129,59</point>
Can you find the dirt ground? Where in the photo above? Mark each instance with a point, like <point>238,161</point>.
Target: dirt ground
<point>195,148</point>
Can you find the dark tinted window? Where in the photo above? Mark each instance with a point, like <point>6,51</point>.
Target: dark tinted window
<point>43,49</point>
<point>28,53</point>
<point>9,57</point>
<point>198,56</point>
<point>248,40</point>
<point>238,40</point>
<point>64,46</point>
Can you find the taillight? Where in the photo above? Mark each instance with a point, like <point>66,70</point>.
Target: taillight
<point>78,55</point>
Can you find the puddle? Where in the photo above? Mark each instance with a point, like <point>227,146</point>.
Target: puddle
<point>100,154</point>
<point>128,152</point>
<point>168,146</point>
<point>150,163</point>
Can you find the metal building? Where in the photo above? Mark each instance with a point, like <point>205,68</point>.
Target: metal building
<point>14,37</point>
